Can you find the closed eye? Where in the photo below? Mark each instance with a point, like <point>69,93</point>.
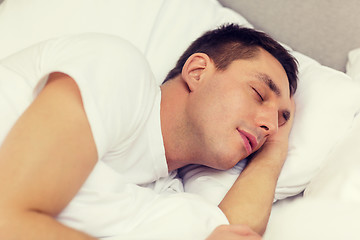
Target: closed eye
<point>286,115</point>
<point>259,95</point>
<point>283,118</point>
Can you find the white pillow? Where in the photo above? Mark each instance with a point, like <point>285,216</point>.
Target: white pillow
<point>162,30</point>
<point>327,101</point>
<point>339,178</point>
<point>353,64</point>
<point>132,20</point>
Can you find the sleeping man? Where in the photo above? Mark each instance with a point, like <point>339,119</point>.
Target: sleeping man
<point>90,143</point>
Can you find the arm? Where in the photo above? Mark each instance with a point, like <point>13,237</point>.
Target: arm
<point>233,232</point>
<point>250,199</point>
<point>44,160</point>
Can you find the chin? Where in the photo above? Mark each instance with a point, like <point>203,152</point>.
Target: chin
<point>228,161</point>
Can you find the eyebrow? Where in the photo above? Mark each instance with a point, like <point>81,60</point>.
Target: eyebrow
<point>269,82</point>
<point>273,87</point>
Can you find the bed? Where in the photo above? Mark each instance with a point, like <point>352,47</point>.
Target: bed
<point>318,192</point>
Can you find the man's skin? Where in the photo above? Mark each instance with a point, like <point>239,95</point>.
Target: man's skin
<point>216,105</point>
<point>233,232</point>
<point>204,113</point>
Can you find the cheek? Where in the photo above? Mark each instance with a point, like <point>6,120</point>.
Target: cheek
<point>227,158</point>
<point>211,107</point>
<point>221,109</point>
<point>231,104</point>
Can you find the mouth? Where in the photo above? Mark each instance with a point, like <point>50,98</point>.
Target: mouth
<point>250,141</point>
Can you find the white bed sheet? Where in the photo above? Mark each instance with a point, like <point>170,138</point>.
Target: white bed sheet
<point>313,219</point>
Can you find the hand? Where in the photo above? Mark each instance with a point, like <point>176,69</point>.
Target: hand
<point>250,199</point>
<point>233,232</point>
<point>277,144</point>
<point>284,130</point>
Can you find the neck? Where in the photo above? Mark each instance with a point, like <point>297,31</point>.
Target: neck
<point>172,111</point>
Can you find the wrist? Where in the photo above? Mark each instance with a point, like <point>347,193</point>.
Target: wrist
<point>272,152</point>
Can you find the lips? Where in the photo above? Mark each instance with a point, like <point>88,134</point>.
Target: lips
<point>250,141</point>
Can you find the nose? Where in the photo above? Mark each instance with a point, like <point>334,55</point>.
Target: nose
<point>267,120</point>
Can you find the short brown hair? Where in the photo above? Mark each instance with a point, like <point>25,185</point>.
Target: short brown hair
<point>231,42</point>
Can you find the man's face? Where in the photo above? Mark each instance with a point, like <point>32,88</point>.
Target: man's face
<point>233,112</point>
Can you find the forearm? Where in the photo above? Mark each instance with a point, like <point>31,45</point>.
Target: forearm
<point>250,199</point>
<point>33,225</point>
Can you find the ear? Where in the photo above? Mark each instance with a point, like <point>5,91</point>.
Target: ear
<point>194,69</point>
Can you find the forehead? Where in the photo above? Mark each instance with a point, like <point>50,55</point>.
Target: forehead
<point>266,79</point>
<point>263,69</point>
<point>266,68</point>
